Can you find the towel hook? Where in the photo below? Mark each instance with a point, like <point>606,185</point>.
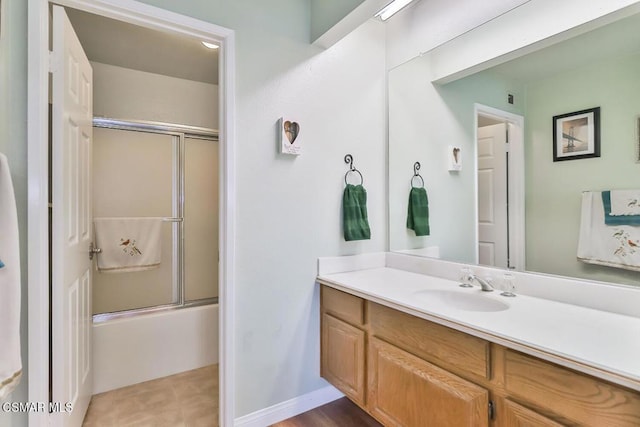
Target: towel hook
<point>348,159</point>
<point>416,174</point>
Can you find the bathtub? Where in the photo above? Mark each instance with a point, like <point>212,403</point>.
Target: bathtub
<point>148,346</point>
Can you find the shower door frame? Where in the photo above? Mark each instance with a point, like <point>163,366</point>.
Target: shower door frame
<point>144,15</point>
<point>181,133</point>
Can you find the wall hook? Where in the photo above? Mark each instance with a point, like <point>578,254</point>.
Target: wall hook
<point>348,159</point>
<point>416,174</point>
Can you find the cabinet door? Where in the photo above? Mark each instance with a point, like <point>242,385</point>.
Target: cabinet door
<point>578,398</point>
<point>342,361</point>
<point>404,390</point>
<point>515,415</point>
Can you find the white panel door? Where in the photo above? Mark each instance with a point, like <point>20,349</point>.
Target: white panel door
<point>72,231</point>
<point>492,196</point>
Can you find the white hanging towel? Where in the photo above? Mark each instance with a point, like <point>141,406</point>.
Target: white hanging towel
<point>625,202</point>
<point>128,244</point>
<point>611,245</point>
<point>10,359</point>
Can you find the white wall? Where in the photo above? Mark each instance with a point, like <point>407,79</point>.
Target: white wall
<point>289,209</point>
<point>509,25</point>
<point>532,26</point>
<point>429,23</point>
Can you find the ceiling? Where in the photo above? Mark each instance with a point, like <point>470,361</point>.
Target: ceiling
<point>610,41</point>
<point>113,42</point>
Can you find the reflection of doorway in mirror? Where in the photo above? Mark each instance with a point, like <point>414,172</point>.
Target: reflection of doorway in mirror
<point>500,182</point>
<point>493,200</point>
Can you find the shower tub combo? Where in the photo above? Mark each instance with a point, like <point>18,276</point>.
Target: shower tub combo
<point>158,322</point>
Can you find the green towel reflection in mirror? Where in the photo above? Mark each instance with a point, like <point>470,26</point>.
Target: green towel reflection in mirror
<point>354,211</point>
<point>418,212</point>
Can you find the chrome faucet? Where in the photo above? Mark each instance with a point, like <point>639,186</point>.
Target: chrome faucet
<point>485,284</point>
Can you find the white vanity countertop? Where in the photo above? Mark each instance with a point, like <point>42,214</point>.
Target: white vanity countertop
<point>599,343</point>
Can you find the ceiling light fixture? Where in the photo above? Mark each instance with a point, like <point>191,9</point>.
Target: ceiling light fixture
<point>389,10</point>
<point>210,45</point>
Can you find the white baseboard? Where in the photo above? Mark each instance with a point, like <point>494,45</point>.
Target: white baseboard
<point>290,408</point>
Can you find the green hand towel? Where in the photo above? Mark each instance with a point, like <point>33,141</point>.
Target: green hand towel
<point>418,214</point>
<point>354,211</point>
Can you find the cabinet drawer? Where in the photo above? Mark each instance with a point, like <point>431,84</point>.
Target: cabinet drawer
<point>404,390</point>
<point>342,305</point>
<point>514,415</point>
<point>571,395</point>
<point>343,357</point>
<point>438,344</point>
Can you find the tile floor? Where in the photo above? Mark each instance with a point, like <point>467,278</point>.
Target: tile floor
<point>187,399</point>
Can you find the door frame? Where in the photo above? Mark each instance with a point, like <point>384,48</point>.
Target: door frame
<point>516,165</point>
<point>140,14</point>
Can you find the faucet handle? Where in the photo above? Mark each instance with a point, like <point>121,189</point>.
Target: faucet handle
<point>466,277</point>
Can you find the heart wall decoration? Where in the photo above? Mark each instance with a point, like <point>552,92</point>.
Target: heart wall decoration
<point>289,131</point>
<point>454,158</point>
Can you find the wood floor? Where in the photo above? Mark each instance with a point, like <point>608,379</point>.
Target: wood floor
<point>339,413</point>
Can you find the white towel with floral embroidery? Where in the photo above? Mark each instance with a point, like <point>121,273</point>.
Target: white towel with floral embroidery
<point>10,358</point>
<point>611,245</point>
<point>625,202</point>
<point>128,244</point>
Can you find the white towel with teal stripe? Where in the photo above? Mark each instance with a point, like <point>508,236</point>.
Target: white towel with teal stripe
<point>625,202</point>
<point>611,245</point>
<point>10,358</point>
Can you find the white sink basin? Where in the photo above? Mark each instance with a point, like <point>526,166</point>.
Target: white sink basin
<point>461,300</point>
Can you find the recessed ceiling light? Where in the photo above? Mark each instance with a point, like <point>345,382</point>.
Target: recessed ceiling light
<point>210,45</point>
<point>389,10</point>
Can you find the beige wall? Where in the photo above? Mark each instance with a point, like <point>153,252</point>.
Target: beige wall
<point>130,94</point>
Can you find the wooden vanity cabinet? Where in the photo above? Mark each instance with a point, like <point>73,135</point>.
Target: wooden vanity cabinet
<point>407,371</point>
<point>515,415</point>
<point>572,397</point>
<point>405,390</point>
<point>342,360</point>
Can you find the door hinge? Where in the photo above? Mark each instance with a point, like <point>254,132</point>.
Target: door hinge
<point>51,70</point>
<point>506,138</point>
<point>492,410</point>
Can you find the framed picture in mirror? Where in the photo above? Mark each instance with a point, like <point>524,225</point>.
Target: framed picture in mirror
<point>576,135</point>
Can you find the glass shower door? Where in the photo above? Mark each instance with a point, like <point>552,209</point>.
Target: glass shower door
<point>135,175</point>
<point>200,219</point>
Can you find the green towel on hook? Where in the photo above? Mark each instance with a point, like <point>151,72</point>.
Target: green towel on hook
<point>354,213</point>
<point>418,213</point>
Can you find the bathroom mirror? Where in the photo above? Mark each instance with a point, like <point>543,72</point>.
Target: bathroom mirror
<point>427,121</point>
